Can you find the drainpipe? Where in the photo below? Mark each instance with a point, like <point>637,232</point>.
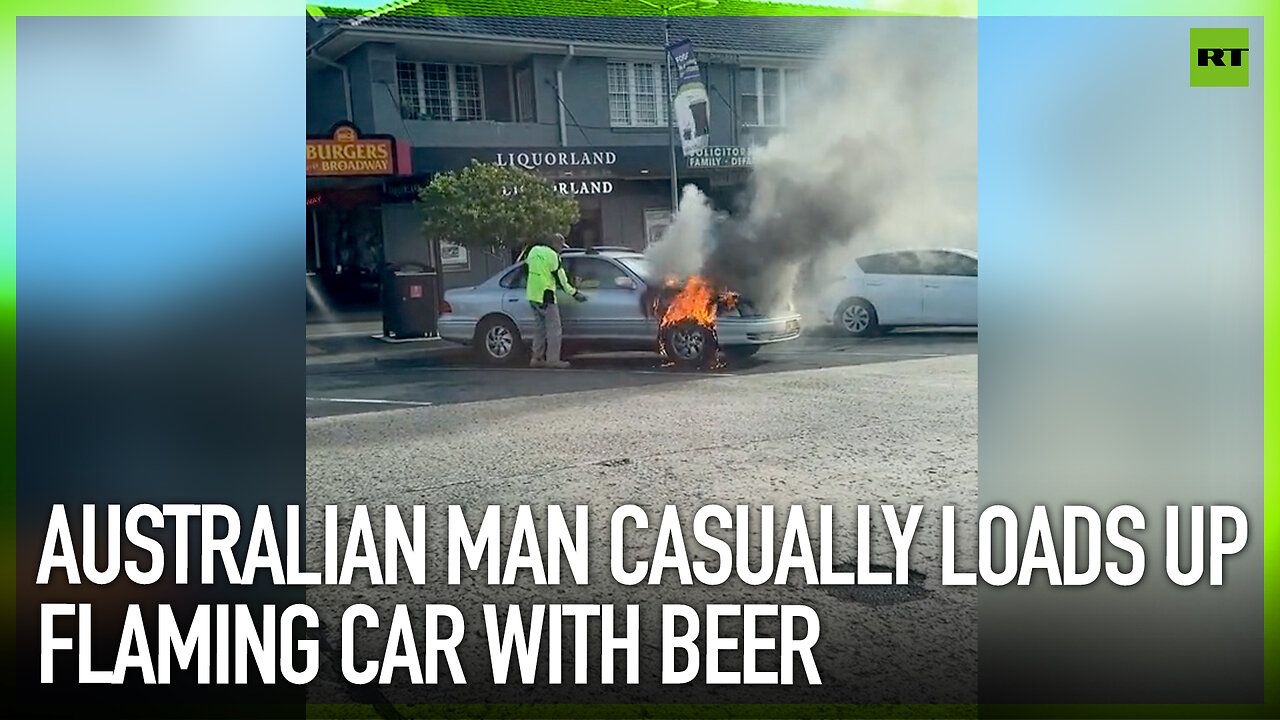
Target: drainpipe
<point>346,81</point>
<point>564,135</point>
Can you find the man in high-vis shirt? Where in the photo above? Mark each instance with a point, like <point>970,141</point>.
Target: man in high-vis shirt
<point>545,274</point>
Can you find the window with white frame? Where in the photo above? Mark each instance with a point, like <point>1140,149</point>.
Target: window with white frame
<point>525,96</point>
<point>440,91</point>
<point>762,95</point>
<point>635,94</point>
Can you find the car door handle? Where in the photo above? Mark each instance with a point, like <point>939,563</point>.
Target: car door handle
<point>932,285</point>
<point>874,284</point>
<point>513,299</point>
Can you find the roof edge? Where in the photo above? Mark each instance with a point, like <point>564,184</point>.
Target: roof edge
<point>379,11</point>
<point>812,9</point>
<point>373,32</point>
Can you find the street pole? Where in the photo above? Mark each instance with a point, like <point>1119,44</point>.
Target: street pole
<point>671,115</point>
<point>666,9</point>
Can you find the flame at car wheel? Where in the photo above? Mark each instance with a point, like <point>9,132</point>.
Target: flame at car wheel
<point>685,306</point>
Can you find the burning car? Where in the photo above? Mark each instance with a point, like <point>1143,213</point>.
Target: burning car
<point>628,309</point>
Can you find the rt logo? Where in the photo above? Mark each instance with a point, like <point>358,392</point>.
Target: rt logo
<point>1219,57</point>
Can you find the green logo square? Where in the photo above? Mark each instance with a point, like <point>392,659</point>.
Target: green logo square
<point>1219,57</point>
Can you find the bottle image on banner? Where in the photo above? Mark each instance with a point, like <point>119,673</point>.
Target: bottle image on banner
<point>701,123</point>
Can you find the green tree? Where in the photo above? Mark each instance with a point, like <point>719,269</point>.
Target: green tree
<point>498,207</point>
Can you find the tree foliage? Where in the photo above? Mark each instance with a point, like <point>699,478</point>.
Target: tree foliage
<point>496,206</point>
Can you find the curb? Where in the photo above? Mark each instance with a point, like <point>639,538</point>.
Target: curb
<point>404,357</point>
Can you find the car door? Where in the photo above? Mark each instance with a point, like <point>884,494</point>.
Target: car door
<point>515,303</point>
<point>612,311</point>
<point>950,288</point>
<point>893,284</point>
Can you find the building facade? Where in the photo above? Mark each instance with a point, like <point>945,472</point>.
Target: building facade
<point>580,100</point>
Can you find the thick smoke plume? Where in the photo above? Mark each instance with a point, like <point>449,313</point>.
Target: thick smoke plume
<point>879,151</point>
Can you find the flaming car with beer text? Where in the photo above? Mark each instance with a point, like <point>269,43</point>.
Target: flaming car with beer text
<point>629,308</point>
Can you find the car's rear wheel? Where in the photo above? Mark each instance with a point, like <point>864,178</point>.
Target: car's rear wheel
<point>498,342</point>
<point>690,344</point>
<point>857,318</point>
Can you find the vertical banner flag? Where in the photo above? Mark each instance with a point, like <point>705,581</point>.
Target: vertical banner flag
<point>691,100</point>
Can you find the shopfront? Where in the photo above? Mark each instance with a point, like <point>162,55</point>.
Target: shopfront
<point>346,172</point>
<point>617,188</point>
<point>624,197</point>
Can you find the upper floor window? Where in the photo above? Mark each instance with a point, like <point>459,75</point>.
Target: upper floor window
<point>440,91</point>
<point>635,95</point>
<point>762,95</point>
<point>526,110</point>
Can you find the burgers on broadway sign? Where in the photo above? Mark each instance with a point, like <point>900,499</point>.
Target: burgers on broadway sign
<point>346,153</point>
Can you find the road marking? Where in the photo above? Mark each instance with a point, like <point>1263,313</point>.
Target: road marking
<point>861,354</point>
<point>579,370</point>
<point>366,401</point>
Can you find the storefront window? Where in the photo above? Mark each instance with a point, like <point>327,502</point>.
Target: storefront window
<point>656,221</point>
<point>348,247</point>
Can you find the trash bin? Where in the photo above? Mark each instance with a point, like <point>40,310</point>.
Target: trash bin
<point>409,300</point>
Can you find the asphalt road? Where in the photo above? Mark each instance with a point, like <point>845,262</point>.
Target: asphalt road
<point>823,421</point>
<point>442,378</point>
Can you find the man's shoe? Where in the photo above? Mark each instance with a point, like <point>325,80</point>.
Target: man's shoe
<point>536,363</point>
<point>557,364</point>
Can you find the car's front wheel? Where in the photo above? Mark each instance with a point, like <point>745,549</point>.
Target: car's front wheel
<point>857,318</point>
<point>498,342</point>
<point>690,344</point>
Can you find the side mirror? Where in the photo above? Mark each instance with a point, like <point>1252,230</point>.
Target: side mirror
<point>625,283</point>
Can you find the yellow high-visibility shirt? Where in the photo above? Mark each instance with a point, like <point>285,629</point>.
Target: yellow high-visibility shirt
<point>545,271</point>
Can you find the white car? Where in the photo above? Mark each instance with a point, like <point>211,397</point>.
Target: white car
<point>905,288</point>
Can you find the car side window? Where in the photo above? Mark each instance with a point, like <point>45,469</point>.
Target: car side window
<point>965,266</point>
<point>876,264</point>
<point>895,263</point>
<point>907,263</point>
<point>950,264</point>
<point>596,274</point>
<point>515,278</point>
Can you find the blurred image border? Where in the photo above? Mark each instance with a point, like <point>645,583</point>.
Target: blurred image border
<point>1200,8</point>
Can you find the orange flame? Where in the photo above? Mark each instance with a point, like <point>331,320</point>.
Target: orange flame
<point>695,302</point>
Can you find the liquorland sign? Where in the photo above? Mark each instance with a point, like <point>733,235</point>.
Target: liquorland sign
<point>581,171</point>
<point>592,187</point>
<point>559,161</point>
<point>535,159</point>
<point>346,153</point>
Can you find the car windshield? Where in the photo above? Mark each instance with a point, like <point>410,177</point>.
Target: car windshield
<point>638,265</point>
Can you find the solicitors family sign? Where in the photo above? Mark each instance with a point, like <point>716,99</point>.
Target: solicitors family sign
<point>720,156</point>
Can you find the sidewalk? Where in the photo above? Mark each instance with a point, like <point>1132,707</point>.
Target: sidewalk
<point>360,342</point>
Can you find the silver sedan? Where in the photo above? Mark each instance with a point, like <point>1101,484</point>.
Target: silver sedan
<point>495,318</point>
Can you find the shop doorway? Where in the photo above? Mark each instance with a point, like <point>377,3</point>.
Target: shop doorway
<point>345,251</point>
<point>586,233</point>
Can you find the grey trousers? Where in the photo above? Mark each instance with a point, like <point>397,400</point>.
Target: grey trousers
<point>546,332</point>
